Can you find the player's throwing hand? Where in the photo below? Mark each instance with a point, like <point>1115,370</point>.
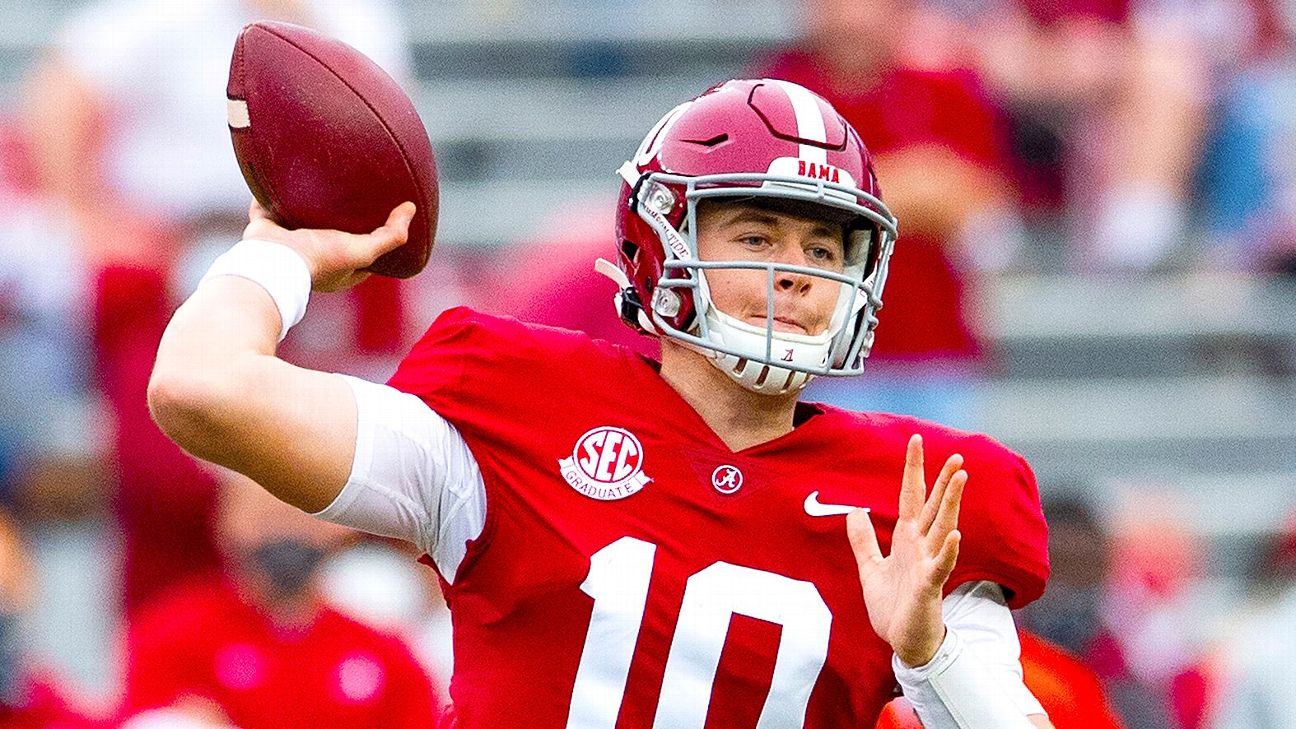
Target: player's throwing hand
<point>902,590</point>
<point>336,259</point>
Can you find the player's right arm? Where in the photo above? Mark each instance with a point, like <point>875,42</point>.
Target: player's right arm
<point>219,391</point>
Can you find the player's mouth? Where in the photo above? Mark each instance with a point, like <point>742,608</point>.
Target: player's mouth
<point>781,324</point>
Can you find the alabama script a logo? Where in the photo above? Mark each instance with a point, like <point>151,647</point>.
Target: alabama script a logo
<point>606,464</point>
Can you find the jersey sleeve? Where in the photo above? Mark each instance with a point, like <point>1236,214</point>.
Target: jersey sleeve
<point>412,477</point>
<point>498,382</point>
<point>1005,539</point>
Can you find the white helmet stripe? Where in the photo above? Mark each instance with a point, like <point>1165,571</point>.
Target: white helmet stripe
<point>809,119</point>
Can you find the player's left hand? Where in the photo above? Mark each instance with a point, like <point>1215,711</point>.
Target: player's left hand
<point>903,590</point>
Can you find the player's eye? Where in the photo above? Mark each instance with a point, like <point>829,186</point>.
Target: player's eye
<point>822,254</point>
<point>827,257</point>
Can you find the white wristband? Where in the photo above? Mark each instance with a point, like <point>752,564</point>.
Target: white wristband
<point>278,269</point>
<point>955,691</point>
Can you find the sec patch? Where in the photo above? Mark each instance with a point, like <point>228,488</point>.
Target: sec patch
<point>606,464</point>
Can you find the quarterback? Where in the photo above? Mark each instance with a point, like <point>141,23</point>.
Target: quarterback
<point>634,543</point>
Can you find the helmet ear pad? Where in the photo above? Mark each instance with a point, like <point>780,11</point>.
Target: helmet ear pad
<point>643,258</point>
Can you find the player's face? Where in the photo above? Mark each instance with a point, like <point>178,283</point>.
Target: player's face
<point>803,304</point>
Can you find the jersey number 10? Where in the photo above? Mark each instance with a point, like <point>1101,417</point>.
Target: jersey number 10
<point>618,581</point>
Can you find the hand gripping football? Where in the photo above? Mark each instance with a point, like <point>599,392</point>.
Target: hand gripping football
<point>326,139</point>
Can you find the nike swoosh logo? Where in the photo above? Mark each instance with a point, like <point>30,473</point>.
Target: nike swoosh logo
<point>814,508</point>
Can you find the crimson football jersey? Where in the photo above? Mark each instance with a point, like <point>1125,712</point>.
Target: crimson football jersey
<point>202,639</point>
<point>634,571</point>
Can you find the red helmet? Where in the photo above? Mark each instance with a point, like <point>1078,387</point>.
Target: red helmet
<point>775,143</point>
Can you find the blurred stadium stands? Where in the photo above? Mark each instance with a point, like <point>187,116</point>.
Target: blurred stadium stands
<point>1181,381</point>
<point>1183,378</point>
<point>1120,388</point>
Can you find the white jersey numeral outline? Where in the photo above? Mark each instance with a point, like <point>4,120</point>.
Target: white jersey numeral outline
<point>618,581</point>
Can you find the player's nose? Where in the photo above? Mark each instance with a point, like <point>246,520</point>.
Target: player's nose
<point>792,282</point>
<point>792,255</point>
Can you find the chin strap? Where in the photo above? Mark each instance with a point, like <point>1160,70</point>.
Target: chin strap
<point>614,272</point>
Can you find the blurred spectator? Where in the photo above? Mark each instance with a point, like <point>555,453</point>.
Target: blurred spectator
<point>49,449</point>
<point>1155,566</point>
<point>260,648</point>
<point>16,588</point>
<point>380,583</point>
<point>1248,174</point>
<point>131,103</point>
<point>941,150</point>
<point>1258,688</point>
<point>1070,692</point>
<point>55,438</point>
<point>132,100</point>
<point>125,174</point>
<point>132,153</point>
<point>1076,612</point>
<point>45,389</point>
<point>1092,86</point>
<point>29,699</point>
<point>165,502</point>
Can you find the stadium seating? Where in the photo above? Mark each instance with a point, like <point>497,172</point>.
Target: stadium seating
<point>1180,378</point>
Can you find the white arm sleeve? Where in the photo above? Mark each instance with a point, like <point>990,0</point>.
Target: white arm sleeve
<point>975,679</point>
<point>979,611</point>
<point>413,477</point>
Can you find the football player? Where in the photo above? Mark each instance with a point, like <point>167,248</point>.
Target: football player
<point>637,543</point>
